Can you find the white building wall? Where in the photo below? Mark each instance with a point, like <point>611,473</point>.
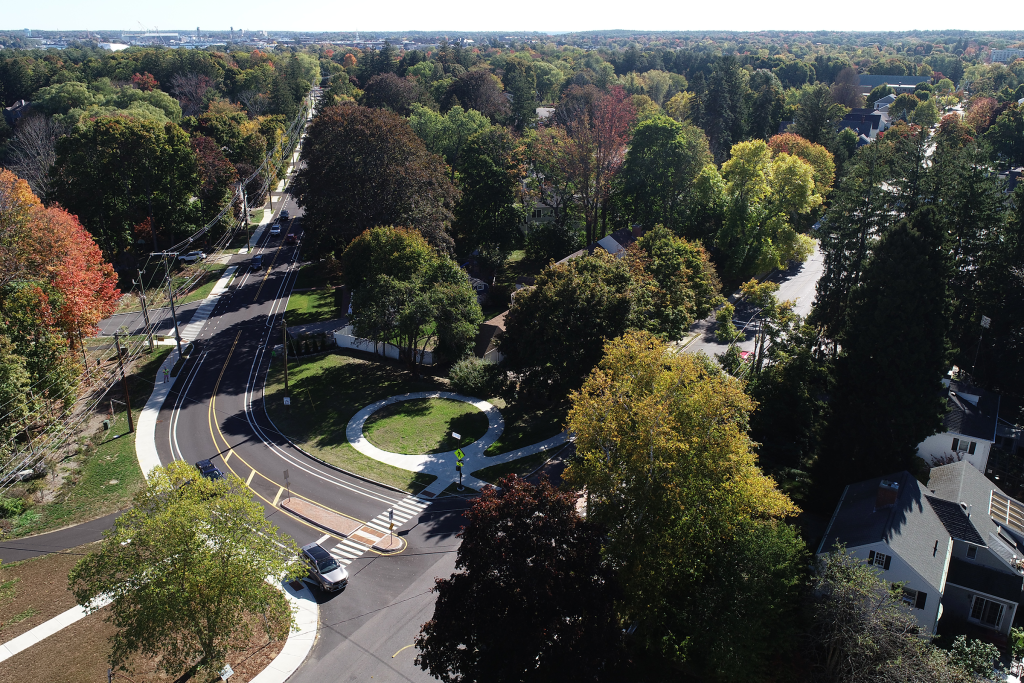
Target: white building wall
<point>937,450</point>
<point>348,341</point>
<point>899,571</point>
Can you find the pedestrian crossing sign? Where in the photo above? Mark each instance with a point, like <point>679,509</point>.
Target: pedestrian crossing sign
<point>459,454</point>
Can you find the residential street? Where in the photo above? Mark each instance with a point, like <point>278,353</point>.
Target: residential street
<point>797,283</point>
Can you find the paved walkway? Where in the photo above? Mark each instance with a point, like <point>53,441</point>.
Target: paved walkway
<point>48,628</point>
<point>17,550</point>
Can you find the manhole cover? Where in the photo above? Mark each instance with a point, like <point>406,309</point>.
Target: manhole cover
<point>297,585</point>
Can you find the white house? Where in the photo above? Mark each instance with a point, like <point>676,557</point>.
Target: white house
<point>955,544</point>
<point>969,431</point>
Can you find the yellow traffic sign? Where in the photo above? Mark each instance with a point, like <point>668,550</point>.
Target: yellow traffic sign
<point>459,454</point>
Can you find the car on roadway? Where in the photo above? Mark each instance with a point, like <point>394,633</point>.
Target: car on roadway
<point>324,568</point>
<point>285,215</point>
<point>275,228</point>
<point>257,262</point>
<point>209,470</point>
<point>291,240</point>
<point>192,256</point>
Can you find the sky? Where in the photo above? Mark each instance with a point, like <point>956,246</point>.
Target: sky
<point>474,15</point>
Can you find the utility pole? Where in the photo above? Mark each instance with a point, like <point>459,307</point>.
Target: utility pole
<point>170,295</point>
<point>124,383</point>
<point>145,310</point>
<point>245,215</point>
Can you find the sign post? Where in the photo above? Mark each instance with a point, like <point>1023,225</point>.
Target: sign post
<point>458,465</point>
<point>287,484</point>
<point>391,525</point>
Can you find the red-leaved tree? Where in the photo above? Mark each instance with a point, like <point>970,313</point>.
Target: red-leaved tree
<point>145,81</point>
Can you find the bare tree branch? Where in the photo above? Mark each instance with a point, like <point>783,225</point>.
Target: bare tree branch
<point>31,152</point>
<point>190,89</point>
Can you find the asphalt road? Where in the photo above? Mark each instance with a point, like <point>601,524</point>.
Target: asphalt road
<point>216,411</point>
<point>797,283</point>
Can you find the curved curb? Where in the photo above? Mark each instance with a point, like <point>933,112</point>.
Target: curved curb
<point>423,462</point>
<point>300,642</point>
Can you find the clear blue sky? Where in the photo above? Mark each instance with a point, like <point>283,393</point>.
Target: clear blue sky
<point>469,15</point>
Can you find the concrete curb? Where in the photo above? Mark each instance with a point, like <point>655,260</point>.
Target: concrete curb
<point>300,641</point>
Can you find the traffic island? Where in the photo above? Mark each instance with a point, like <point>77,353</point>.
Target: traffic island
<point>322,517</point>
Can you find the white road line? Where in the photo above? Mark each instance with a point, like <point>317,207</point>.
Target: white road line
<point>414,509</point>
<point>353,544</point>
<point>382,527</point>
<point>322,538</point>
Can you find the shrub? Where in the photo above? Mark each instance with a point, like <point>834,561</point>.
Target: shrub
<point>474,376</point>
<point>11,507</point>
<point>551,241</point>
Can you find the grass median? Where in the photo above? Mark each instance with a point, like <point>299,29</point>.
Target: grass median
<point>325,393</point>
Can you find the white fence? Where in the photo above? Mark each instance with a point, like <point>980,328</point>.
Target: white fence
<point>347,340</point>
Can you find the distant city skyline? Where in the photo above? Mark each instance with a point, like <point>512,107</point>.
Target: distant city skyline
<point>559,16</point>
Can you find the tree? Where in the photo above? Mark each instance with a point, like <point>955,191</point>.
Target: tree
<point>216,174</point>
<point>894,352</point>
<point>490,211</point>
<point>521,83</point>
<point>1006,136</point>
<point>766,104</point>
<point>903,106</point>
<point>183,567</point>
<point>447,134</point>
<point>532,600</point>
<point>366,167</point>
<point>695,531</point>
<point>846,89</point>
<point>116,171</point>
<point>659,175</point>
<point>878,92</point>
<point>555,330</point>
<point>388,91</point>
<point>862,631</point>
<point>818,115</point>
<point>479,90</point>
<point>32,151</point>
<point>688,285</point>
<point>820,159</point>
<point>926,114</point>
<point>190,89</point>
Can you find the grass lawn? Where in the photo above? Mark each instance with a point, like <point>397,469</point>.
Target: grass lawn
<point>522,466</point>
<point>310,276</point>
<point>326,392</point>
<point>213,273</point>
<point>425,426</point>
<point>527,424</point>
<point>107,473</point>
<point>312,307</point>
<point>157,296</point>
<point>453,490</point>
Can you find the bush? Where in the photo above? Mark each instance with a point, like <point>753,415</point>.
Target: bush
<point>975,657</point>
<point>11,507</point>
<point>550,241</point>
<point>474,376</point>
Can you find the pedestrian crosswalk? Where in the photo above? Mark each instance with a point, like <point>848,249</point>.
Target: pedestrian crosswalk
<point>405,509</point>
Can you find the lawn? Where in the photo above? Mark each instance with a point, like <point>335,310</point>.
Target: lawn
<point>157,296</point>
<point>311,276</point>
<point>521,466</point>
<point>213,273</point>
<point>312,307</point>
<point>526,424</point>
<point>106,472</point>
<point>325,393</point>
<point>425,426</point>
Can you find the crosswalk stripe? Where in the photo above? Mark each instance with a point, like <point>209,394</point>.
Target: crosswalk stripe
<point>345,552</point>
<point>403,515</point>
<point>358,546</point>
<point>415,506</point>
<point>381,527</point>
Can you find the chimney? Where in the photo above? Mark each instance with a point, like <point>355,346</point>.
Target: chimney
<point>886,495</point>
<point>638,231</point>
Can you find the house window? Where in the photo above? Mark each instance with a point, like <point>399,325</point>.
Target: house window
<point>879,559</point>
<point>987,612</point>
<point>915,599</point>
<point>972,552</point>
<point>956,445</point>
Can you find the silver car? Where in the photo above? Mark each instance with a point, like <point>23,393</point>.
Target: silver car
<point>324,567</point>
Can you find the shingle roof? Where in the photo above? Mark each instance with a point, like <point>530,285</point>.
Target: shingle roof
<point>961,482</point>
<point>964,417</point>
<point>955,520</point>
<point>985,580</point>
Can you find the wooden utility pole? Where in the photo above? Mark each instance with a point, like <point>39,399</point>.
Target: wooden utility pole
<point>145,310</point>
<point>284,338</point>
<point>124,383</point>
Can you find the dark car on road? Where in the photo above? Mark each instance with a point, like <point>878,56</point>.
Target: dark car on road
<point>209,470</point>
<point>285,214</point>
<point>257,262</point>
<point>291,239</point>
<point>324,567</point>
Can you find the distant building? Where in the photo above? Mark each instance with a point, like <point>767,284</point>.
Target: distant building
<point>869,82</point>
<point>113,47</point>
<point>1006,56</point>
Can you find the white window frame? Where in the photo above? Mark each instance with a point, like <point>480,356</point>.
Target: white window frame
<point>879,560</point>
<point>909,597</point>
<point>983,608</point>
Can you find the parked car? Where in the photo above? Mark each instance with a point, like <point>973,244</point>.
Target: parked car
<point>324,567</point>
<point>191,256</point>
<point>285,215</point>
<point>209,470</point>
<point>291,239</point>
<point>275,228</point>
<point>257,262</point>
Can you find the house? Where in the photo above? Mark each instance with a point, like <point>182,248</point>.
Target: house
<point>956,544</point>
<point>16,111</point>
<point>969,427</point>
<point>1007,56</point>
<point>615,243</point>
<point>884,102</point>
<point>899,84</point>
<point>486,345</point>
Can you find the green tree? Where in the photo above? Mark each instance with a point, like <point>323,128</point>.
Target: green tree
<point>183,567</point>
<point>688,285</point>
<point>489,213</point>
<point>818,115</point>
<point>658,178</point>
<point>903,107</point>
<point>877,93</point>
<point>520,81</point>
<point>116,171</point>
<point>894,352</point>
<point>766,101</point>
<point>708,567</point>
<point>366,167</point>
<point>447,134</point>
<point>926,114</point>
<point>532,599</point>
<point>1006,136</point>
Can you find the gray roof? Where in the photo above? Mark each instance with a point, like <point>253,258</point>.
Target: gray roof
<point>961,482</point>
<point>982,579</point>
<point>910,527</point>
<point>964,417</point>
<point>874,81</point>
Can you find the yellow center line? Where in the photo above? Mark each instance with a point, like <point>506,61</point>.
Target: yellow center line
<point>404,648</point>
<point>271,266</point>
<point>230,451</point>
<point>252,474</point>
